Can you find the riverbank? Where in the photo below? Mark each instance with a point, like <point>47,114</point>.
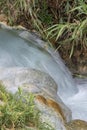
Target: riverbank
<point>39,18</point>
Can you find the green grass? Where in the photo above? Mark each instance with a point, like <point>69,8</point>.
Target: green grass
<point>72,26</point>
<point>19,112</point>
<point>72,33</point>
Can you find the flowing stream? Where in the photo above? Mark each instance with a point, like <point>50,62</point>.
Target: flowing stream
<point>19,48</point>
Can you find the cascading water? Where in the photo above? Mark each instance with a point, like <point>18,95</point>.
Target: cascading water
<point>23,49</point>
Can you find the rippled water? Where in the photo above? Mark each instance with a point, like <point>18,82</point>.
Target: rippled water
<point>23,49</point>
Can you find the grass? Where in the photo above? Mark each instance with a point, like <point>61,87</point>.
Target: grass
<point>75,33</point>
<point>80,76</point>
<point>72,28</point>
<point>19,112</point>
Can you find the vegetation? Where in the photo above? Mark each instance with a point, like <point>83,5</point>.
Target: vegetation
<point>18,112</point>
<point>61,21</point>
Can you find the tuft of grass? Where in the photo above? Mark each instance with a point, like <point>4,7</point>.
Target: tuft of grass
<point>72,33</point>
<point>19,112</point>
<point>72,26</point>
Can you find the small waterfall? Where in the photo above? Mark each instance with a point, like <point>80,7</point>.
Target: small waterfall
<point>23,49</point>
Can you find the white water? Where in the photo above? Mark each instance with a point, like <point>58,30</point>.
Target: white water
<point>18,52</point>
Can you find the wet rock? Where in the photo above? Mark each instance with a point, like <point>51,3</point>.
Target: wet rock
<point>53,110</point>
<point>77,125</point>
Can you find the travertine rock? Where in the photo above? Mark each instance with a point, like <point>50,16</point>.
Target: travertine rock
<point>53,110</point>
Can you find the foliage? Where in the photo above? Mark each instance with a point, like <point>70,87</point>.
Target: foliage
<point>72,33</point>
<point>72,26</point>
<point>19,112</point>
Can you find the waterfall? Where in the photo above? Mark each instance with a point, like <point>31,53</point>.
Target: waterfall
<point>20,48</point>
